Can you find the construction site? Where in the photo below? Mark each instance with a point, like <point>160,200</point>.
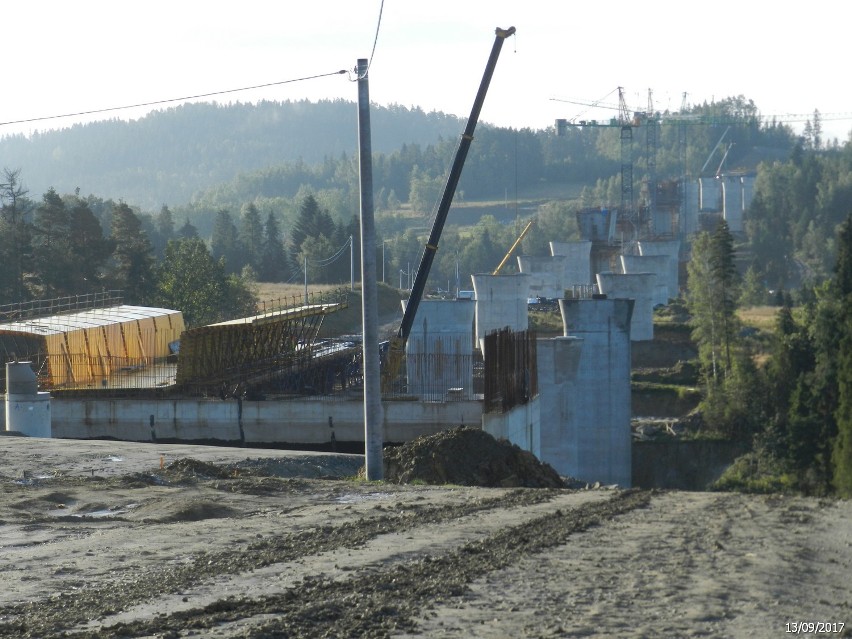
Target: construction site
<point>93,367</point>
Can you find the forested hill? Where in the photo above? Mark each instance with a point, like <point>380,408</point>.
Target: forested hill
<point>169,155</point>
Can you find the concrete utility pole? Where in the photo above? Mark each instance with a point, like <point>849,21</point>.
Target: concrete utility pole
<point>373,436</point>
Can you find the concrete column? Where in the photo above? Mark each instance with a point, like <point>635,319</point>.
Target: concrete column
<point>558,362</point>
<point>546,274</point>
<point>27,409</point>
<point>732,203</point>
<point>578,264</point>
<point>671,248</point>
<point>501,301</point>
<point>639,287</point>
<point>657,264</point>
<point>439,350</point>
<point>709,194</point>
<point>601,388</point>
<point>689,224</point>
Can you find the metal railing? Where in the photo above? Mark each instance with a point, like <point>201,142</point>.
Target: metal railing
<point>59,305</point>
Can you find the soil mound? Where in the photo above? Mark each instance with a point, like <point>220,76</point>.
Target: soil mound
<point>468,457</point>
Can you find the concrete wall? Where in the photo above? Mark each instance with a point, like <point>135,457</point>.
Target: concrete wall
<point>558,361</point>
<point>670,248</point>
<point>602,388</point>
<point>546,273</point>
<point>520,426</point>
<point>501,301</point>
<point>439,348</point>
<point>657,264</point>
<point>639,287</point>
<point>304,421</point>
<point>578,263</point>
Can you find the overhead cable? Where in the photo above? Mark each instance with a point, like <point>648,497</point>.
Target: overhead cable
<point>158,102</point>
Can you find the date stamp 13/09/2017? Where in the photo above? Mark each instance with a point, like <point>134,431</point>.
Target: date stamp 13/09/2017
<point>814,627</point>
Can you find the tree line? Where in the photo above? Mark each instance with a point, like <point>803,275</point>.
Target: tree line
<point>66,245</point>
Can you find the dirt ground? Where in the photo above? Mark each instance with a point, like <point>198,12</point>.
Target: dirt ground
<point>115,539</point>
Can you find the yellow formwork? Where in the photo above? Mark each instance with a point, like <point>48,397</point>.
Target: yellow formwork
<point>88,346</point>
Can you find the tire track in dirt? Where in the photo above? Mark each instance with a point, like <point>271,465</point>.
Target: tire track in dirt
<point>64,611</point>
<point>380,600</point>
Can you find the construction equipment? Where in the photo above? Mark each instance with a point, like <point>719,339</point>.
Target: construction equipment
<point>513,247</point>
<point>392,364</point>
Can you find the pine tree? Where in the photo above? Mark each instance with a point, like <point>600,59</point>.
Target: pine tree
<point>842,452</point>
<point>89,249</point>
<point>225,243</point>
<point>15,237</point>
<point>251,236</point>
<point>51,251</point>
<point>133,258</point>
<point>273,263</point>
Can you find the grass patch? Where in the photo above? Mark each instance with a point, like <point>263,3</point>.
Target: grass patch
<point>762,318</point>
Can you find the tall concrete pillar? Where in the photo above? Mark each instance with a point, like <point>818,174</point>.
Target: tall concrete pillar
<point>601,388</point>
<point>559,429</point>
<point>439,350</point>
<point>732,203</point>
<point>657,264</point>
<point>639,287</point>
<point>546,273</point>
<point>27,409</point>
<point>578,264</point>
<point>671,248</point>
<point>709,194</point>
<point>501,301</point>
<point>689,223</point>
<point>748,190</point>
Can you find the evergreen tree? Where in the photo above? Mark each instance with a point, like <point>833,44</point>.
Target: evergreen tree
<point>725,280</point>
<point>15,237</point>
<point>225,243</point>
<point>273,263</point>
<point>842,452</point>
<point>312,222</point>
<point>51,250</point>
<point>89,249</point>
<point>165,225</point>
<point>251,236</point>
<point>133,259</point>
<point>187,231</point>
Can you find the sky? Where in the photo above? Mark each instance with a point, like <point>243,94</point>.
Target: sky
<point>65,57</point>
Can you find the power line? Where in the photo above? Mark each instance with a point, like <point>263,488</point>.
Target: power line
<point>158,102</point>
<point>356,78</point>
<point>376,39</point>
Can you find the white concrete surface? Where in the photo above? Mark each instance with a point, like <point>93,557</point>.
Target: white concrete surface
<point>578,264</point>
<point>601,389</point>
<point>439,349</point>
<point>657,264</point>
<point>547,274</point>
<point>639,287</point>
<point>558,362</point>
<point>501,301</point>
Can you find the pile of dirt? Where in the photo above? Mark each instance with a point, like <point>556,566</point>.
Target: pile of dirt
<point>468,457</point>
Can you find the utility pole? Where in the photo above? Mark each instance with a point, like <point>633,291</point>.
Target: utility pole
<point>351,264</point>
<point>373,436</point>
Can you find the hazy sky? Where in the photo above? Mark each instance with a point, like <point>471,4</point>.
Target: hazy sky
<point>66,57</point>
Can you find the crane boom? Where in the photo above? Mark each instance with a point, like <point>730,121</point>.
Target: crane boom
<point>513,247</point>
<point>396,347</point>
